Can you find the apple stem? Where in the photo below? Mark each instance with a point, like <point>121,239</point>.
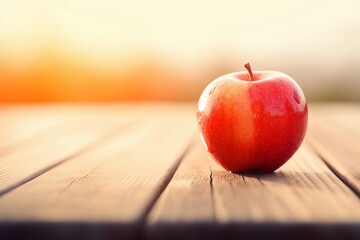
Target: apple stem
<point>248,68</point>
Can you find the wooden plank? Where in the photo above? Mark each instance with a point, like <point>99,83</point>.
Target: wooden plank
<point>106,192</point>
<point>66,142</point>
<point>302,200</point>
<point>334,133</point>
<point>23,126</point>
<point>18,128</point>
<point>345,116</point>
<point>185,209</point>
<point>304,190</point>
<point>77,129</point>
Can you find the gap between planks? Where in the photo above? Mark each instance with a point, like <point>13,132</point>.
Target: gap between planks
<point>129,181</point>
<point>337,171</point>
<point>70,128</point>
<point>216,177</point>
<point>161,188</point>
<point>95,143</point>
<point>334,135</point>
<point>301,197</point>
<point>65,132</point>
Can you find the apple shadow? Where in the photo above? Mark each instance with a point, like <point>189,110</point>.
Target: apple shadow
<point>309,180</point>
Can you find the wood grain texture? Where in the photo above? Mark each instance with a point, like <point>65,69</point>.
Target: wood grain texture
<point>23,126</point>
<point>334,133</point>
<point>105,192</point>
<point>303,199</point>
<point>19,128</point>
<point>27,163</point>
<point>61,131</point>
<point>127,183</point>
<point>185,209</point>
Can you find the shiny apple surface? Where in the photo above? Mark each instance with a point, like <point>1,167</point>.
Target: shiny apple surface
<point>252,126</point>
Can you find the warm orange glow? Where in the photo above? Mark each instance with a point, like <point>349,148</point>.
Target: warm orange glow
<point>57,76</point>
<point>159,50</point>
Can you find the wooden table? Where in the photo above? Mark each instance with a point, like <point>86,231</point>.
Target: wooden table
<point>139,171</point>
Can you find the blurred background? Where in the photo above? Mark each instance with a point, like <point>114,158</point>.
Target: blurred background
<point>108,50</point>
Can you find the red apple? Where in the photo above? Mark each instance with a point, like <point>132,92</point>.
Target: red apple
<point>252,121</point>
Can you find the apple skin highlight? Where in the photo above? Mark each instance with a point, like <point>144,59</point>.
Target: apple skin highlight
<point>252,126</point>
